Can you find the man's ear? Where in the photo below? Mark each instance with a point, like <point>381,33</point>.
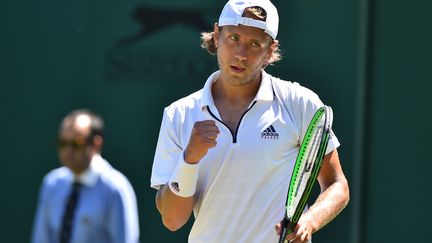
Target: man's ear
<point>273,45</point>
<point>215,34</point>
<point>98,142</point>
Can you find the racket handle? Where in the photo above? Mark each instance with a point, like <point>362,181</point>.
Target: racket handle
<point>283,235</point>
<point>287,228</point>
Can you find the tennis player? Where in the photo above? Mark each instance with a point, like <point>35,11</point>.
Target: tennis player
<point>226,152</point>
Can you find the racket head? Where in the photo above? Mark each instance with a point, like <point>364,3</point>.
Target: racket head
<point>308,163</point>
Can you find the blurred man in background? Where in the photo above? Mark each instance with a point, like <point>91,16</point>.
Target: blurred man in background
<point>86,200</point>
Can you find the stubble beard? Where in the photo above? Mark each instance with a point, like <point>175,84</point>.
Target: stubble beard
<point>239,79</point>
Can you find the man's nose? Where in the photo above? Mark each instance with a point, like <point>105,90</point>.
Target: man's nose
<point>241,52</point>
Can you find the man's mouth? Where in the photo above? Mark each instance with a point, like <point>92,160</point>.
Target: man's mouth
<point>237,69</point>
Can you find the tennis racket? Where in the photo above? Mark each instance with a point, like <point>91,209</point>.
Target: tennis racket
<point>306,168</point>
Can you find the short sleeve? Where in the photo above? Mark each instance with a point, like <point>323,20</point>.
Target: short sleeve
<point>305,103</point>
<point>168,150</point>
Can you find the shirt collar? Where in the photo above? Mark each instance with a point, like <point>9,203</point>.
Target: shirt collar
<point>90,176</point>
<point>207,97</point>
<point>265,91</point>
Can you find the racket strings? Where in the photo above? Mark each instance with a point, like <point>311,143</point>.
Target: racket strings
<point>310,160</point>
<point>327,121</point>
<point>309,156</point>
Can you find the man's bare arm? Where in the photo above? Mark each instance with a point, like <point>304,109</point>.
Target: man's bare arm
<point>333,198</point>
<point>334,192</point>
<point>175,210</point>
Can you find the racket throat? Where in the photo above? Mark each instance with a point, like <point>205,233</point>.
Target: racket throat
<point>288,224</point>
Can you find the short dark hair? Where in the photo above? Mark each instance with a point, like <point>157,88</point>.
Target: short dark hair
<point>97,125</point>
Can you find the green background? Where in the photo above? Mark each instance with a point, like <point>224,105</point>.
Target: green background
<point>127,60</point>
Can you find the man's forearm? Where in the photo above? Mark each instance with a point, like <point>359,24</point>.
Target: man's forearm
<point>328,204</point>
<point>175,210</point>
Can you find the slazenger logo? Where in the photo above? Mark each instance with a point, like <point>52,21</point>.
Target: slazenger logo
<point>270,133</point>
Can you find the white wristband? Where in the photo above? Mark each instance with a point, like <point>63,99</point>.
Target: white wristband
<point>184,179</point>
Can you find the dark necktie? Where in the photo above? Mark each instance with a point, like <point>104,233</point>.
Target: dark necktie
<point>66,229</point>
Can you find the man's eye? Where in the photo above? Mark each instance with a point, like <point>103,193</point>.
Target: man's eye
<point>255,44</point>
<point>234,37</point>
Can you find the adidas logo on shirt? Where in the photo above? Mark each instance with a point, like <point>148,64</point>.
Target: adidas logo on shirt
<point>270,133</point>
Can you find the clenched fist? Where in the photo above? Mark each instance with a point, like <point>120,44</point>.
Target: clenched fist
<point>203,137</point>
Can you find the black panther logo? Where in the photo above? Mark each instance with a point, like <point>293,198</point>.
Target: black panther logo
<point>138,63</point>
<point>152,20</point>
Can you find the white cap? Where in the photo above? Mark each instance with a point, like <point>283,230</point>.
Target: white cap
<point>233,11</point>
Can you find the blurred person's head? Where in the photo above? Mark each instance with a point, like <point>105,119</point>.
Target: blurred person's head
<point>80,137</point>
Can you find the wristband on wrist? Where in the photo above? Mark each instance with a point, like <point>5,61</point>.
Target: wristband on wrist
<point>184,179</point>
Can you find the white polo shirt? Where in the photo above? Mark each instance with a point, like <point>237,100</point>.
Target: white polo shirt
<point>243,181</point>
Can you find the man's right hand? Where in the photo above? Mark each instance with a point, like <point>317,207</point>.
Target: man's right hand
<point>203,137</point>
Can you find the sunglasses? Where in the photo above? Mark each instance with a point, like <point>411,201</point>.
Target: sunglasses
<point>77,144</point>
